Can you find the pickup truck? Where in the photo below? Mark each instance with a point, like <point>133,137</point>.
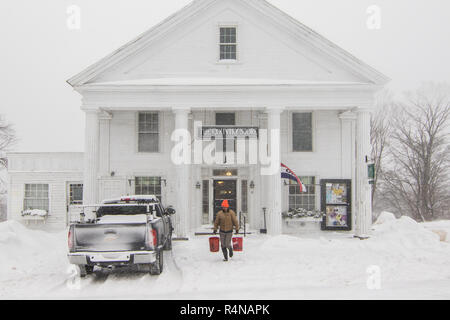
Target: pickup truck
<point>131,230</point>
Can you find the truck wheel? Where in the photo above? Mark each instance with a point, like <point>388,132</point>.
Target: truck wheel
<point>157,267</point>
<point>85,270</point>
<point>168,244</point>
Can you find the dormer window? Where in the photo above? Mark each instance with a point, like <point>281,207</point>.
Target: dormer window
<point>228,43</point>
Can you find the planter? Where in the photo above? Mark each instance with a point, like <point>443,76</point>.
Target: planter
<point>301,225</point>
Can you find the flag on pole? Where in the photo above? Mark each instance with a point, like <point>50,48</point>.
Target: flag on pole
<point>287,173</point>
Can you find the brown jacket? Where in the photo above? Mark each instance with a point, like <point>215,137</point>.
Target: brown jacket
<point>226,221</point>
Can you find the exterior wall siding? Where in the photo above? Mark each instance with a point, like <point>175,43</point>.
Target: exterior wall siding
<point>54,169</point>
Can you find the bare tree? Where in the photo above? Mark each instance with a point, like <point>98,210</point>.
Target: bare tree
<point>416,184</point>
<point>380,131</point>
<point>7,139</point>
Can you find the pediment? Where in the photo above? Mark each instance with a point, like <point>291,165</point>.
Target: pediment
<point>271,47</point>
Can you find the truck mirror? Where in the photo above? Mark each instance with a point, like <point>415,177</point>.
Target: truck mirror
<point>170,210</point>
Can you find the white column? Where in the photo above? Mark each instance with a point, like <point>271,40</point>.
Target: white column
<point>91,158</point>
<point>183,186</point>
<point>348,154</point>
<point>363,206</point>
<point>104,143</point>
<point>274,219</point>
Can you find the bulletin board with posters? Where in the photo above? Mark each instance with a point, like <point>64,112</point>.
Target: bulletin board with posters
<point>336,204</point>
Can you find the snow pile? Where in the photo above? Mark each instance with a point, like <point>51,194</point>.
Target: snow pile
<point>327,265</point>
<point>404,231</point>
<point>25,253</point>
<point>439,226</point>
<point>385,217</point>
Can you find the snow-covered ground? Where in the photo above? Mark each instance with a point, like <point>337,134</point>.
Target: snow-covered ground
<point>410,259</point>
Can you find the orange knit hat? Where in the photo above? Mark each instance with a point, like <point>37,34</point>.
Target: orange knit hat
<point>225,204</point>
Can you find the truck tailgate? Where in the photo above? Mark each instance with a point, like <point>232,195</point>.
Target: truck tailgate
<point>110,237</point>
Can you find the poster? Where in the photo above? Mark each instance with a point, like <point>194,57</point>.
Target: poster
<point>336,216</point>
<point>336,204</point>
<point>336,193</point>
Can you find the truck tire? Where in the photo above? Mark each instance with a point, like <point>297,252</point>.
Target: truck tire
<point>157,267</point>
<point>85,270</point>
<point>168,244</point>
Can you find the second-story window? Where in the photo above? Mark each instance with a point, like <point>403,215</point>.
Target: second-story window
<point>148,128</point>
<point>228,43</point>
<point>302,132</point>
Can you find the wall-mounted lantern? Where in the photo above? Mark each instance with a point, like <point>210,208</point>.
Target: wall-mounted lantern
<point>252,185</point>
<point>198,185</point>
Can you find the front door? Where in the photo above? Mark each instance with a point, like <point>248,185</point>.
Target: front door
<point>225,190</point>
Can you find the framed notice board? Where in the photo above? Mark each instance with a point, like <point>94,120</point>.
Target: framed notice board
<point>336,204</point>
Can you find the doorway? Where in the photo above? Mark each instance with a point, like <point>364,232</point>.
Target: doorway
<point>224,190</point>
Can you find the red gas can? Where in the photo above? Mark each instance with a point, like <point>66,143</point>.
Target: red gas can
<point>238,244</point>
<point>214,244</point>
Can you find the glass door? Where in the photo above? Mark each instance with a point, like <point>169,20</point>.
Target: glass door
<point>225,190</point>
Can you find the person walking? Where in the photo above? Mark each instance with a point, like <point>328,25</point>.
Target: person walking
<point>225,220</point>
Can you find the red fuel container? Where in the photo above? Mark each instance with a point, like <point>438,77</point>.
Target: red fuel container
<point>238,244</point>
<point>214,244</point>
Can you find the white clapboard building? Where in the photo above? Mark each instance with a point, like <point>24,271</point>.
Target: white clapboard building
<point>230,73</point>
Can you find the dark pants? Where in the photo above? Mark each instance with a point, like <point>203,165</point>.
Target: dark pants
<point>225,239</point>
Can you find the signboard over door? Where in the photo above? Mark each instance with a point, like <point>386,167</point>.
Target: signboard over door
<point>229,132</point>
<point>336,204</point>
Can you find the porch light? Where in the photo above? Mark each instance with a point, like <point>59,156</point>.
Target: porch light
<point>198,185</point>
<point>252,185</point>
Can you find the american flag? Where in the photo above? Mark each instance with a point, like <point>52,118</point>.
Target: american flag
<point>287,173</point>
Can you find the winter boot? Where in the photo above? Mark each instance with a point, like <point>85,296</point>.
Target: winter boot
<point>225,254</point>
<point>230,250</point>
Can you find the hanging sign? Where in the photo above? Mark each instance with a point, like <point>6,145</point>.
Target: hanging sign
<point>223,132</point>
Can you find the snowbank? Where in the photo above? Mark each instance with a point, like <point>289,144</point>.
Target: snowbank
<point>25,252</point>
<point>440,227</point>
<point>329,265</point>
<point>404,231</point>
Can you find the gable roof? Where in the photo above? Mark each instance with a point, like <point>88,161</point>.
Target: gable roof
<point>291,25</point>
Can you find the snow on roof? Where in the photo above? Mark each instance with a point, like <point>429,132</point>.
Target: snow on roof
<point>218,82</point>
<point>150,198</point>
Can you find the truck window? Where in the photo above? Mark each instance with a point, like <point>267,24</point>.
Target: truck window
<point>121,210</point>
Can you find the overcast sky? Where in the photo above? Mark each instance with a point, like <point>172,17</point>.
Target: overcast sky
<point>39,52</point>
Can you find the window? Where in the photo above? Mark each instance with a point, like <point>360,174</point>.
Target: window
<point>148,132</point>
<point>228,145</point>
<point>205,202</point>
<point>302,132</point>
<point>303,200</point>
<point>148,186</point>
<point>228,43</point>
<point>36,197</point>
<point>225,172</point>
<point>75,194</point>
<point>225,119</point>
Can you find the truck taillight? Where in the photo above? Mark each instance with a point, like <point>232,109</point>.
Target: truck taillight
<point>152,238</point>
<point>70,239</point>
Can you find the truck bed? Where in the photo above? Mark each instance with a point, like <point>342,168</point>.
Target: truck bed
<point>110,237</point>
